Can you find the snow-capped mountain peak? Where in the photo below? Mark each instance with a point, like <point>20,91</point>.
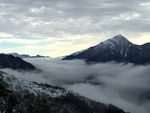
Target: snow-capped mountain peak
<point>118,49</point>
<point>119,39</point>
<point>117,42</point>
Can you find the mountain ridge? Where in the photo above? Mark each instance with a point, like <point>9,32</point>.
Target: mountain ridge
<point>27,56</point>
<point>118,49</point>
<point>9,61</point>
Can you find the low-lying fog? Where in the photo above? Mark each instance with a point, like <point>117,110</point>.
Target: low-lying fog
<point>126,86</point>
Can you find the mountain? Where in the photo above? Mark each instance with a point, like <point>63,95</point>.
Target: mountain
<point>27,56</point>
<point>39,56</point>
<point>117,49</point>
<point>9,61</point>
<point>20,96</point>
<point>20,56</point>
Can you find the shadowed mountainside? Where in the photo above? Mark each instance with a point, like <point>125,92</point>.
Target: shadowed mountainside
<point>117,49</point>
<point>9,61</point>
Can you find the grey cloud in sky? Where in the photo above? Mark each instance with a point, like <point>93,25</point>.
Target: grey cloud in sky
<point>73,16</point>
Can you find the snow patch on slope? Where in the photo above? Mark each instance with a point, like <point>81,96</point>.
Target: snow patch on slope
<point>24,86</point>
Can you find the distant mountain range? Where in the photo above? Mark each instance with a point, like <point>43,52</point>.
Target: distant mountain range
<point>20,96</point>
<point>9,61</point>
<point>117,49</point>
<point>27,56</point>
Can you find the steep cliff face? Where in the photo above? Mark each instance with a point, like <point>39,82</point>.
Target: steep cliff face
<point>117,49</point>
<point>19,96</point>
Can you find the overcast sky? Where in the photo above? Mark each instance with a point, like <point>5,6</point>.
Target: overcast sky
<point>60,27</point>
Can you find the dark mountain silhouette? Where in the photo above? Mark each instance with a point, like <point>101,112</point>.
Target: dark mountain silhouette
<point>117,49</point>
<point>9,61</point>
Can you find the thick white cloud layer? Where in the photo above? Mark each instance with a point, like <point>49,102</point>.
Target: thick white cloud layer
<point>126,86</point>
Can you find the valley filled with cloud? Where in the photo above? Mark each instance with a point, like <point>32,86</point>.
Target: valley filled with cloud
<point>123,85</point>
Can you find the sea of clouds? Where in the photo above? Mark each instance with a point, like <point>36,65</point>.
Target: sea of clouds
<point>123,85</point>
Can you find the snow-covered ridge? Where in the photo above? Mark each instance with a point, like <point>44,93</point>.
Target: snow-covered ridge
<point>27,56</point>
<point>118,49</point>
<point>76,53</point>
<point>24,86</point>
<point>115,43</point>
<point>119,39</point>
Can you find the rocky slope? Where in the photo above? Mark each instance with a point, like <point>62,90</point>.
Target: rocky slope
<point>19,96</point>
<point>117,49</point>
